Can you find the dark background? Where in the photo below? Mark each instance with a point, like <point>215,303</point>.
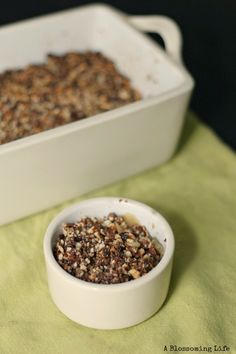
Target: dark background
<point>209,35</point>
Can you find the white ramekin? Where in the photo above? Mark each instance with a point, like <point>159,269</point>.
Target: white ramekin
<point>117,305</point>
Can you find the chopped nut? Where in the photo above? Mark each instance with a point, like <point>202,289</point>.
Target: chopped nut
<point>118,228</point>
<point>124,94</point>
<point>61,249</point>
<point>128,254</point>
<point>91,230</point>
<point>141,251</point>
<point>107,223</point>
<point>83,267</point>
<point>60,257</point>
<point>100,246</point>
<point>78,245</point>
<point>134,273</point>
<point>133,243</point>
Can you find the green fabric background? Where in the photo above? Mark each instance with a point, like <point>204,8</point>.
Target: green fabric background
<point>196,192</point>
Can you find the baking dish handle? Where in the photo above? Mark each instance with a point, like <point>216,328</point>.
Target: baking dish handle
<point>166,28</point>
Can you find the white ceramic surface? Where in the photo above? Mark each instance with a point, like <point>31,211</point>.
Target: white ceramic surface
<point>40,171</point>
<point>110,306</point>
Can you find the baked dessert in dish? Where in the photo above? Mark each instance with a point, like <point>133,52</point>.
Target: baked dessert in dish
<point>106,250</point>
<point>64,89</point>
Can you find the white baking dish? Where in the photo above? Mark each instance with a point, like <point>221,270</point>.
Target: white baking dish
<point>45,169</point>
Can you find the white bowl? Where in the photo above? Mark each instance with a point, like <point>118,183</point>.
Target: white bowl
<point>118,305</point>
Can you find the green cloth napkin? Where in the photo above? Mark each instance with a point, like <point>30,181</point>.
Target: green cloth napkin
<point>196,192</point>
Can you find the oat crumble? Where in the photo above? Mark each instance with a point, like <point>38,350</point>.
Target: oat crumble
<point>64,89</point>
<point>107,250</point>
